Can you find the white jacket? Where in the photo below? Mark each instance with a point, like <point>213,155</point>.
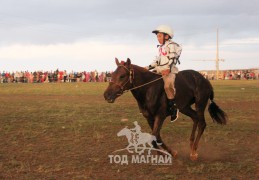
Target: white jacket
<point>168,52</point>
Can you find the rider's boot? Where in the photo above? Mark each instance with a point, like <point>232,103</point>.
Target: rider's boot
<point>172,109</point>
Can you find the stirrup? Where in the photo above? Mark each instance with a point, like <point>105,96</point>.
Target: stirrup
<point>174,117</point>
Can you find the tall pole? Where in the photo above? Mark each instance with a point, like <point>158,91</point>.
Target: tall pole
<point>217,55</point>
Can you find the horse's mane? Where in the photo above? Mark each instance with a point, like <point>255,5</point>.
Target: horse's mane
<point>147,72</point>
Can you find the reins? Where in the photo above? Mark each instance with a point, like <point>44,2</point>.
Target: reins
<point>130,79</point>
<point>125,91</point>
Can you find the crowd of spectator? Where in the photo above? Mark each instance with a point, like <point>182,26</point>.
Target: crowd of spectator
<point>53,76</point>
<point>232,74</point>
<point>94,76</point>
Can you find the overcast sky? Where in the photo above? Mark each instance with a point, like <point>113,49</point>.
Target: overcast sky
<point>87,35</point>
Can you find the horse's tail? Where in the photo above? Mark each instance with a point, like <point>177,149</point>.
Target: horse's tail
<point>216,113</point>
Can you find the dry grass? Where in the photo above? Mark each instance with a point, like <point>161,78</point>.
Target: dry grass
<point>67,131</point>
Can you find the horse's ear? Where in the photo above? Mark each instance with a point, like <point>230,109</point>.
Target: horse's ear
<point>128,61</point>
<point>117,61</point>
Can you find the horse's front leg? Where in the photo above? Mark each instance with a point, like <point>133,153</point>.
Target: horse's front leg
<point>151,123</point>
<point>128,148</point>
<point>165,147</point>
<point>156,132</point>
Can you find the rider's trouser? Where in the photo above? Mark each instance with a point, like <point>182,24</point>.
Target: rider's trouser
<point>169,85</point>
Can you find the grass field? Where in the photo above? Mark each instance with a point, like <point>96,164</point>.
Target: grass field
<point>67,131</point>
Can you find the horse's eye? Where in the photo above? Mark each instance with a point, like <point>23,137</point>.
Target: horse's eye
<point>122,76</point>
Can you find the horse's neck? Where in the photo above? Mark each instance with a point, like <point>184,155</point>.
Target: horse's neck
<point>148,95</point>
<point>128,135</point>
<point>142,76</point>
<point>142,79</point>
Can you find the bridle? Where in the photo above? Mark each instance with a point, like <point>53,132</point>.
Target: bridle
<point>130,80</point>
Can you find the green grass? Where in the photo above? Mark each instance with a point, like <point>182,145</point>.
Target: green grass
<point>67,131</point>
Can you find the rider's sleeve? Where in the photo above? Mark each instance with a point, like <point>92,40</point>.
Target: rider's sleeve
<point>154,63</point>
<point>175,51</point>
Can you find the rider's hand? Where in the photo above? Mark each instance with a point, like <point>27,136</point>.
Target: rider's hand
<point>147,68</point>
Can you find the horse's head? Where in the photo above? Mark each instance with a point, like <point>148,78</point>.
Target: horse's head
<point>123,132</point>
<point>121,80</point>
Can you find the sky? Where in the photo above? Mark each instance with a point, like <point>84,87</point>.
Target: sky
<point>84,35</point>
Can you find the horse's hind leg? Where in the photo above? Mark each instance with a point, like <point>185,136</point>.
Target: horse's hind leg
<point>193,114</point>
<point>201,128</point>
<point>200,108</point>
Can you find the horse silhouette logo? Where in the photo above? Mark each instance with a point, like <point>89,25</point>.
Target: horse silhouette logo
<point>138,140</point>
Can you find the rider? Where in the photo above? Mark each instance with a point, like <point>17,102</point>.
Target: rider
<point>137,131</point>
<point>165,64</point>
<point>137,128</point>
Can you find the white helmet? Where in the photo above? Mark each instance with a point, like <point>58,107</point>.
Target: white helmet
<point>164,29</point>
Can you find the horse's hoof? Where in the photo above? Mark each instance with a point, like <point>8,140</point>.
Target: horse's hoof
<point>194,157</point>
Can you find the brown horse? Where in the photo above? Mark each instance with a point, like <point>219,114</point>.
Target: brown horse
<point>148,89</point>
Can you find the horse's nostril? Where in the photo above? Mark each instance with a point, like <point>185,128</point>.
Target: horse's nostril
<point>107,96</point>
